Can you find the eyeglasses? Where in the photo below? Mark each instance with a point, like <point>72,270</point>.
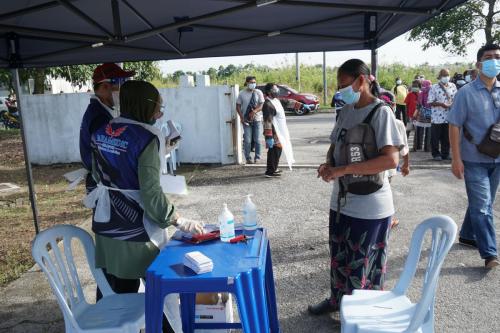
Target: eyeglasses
<point>162,106</point>
<point>116,81</point>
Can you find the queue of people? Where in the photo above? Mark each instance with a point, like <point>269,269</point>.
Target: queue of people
<point>123,156</point>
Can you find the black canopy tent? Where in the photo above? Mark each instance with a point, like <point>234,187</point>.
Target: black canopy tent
<point>42,33</point>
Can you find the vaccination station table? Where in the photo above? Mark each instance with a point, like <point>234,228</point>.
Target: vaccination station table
<point>243,269</point>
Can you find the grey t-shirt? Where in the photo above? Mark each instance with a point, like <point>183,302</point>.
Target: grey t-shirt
<point>244,98</point>
<point>378,204</point>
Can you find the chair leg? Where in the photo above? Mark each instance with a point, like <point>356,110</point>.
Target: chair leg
<point>271,294</point>
<point>188,301</point>
<point>174,160</point>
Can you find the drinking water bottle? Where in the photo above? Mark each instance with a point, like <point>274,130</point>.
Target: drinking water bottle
<point>249,217</point>
<point>226,225</point>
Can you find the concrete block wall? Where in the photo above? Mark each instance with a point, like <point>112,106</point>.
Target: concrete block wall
<point>52,124</point>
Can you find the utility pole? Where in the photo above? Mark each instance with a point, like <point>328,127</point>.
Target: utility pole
<point>297,71</point>
<point>325,92</point>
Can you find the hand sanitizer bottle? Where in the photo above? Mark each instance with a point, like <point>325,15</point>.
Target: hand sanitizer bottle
<point>249,217</point>
<point>226,224</point>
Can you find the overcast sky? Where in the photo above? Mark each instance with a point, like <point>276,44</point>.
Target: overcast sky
<point>398,50</point>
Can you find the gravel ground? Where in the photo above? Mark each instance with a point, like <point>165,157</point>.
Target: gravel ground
<point>294,209</point>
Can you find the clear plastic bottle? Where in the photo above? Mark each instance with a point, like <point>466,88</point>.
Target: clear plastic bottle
<point>249,217</point>
<point>226,224</point>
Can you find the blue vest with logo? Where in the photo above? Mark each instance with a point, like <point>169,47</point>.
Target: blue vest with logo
<point>116,148</point>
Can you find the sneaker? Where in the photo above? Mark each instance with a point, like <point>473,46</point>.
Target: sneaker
<point>467,242</point>
<point>278,171</point>
<point>491,262</point>
<point>437,158</point>
<point>446,158</point>
<point>272,175</point>
<point>257,160</point>
<point>323,307</point>
<point>249,162</point>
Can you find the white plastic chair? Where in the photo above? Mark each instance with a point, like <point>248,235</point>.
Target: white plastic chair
<point>391,311</point>
<point>113,313</point>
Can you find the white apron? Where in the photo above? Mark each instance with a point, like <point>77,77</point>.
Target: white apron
<point>279,123</point>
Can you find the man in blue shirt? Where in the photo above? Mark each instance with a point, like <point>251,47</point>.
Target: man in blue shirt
<point>475,109</point>
<point>106,79</point>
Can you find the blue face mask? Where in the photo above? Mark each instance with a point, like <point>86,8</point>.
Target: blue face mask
<point>491,67</point>
<point>349,96</point>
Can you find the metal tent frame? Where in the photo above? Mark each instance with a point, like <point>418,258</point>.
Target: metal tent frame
<point>41,33</point>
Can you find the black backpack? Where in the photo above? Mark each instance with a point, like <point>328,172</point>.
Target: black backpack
<point>359,144</point>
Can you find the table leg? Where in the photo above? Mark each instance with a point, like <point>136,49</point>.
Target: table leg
<point>271,294</point>
<point>188,302</point>
<point>247,306</point>
<point>259,287</point>
<point>154,304</point>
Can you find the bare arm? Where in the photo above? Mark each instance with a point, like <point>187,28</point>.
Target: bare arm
<point>238,110</point>
<point>457,166</point>
<point>405,168</point>
<point>443,105</point>
<point>324,167</point>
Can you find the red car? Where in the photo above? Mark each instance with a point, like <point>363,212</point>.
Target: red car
<point>310,101</point>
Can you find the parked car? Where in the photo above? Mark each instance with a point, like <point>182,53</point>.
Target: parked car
<point>310,102</point>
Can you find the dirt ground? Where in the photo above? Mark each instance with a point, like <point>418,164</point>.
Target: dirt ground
<point>55,205</point>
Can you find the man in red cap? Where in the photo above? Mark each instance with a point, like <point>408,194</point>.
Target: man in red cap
<point>107,79</point>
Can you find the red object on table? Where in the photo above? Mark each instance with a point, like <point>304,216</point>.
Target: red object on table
<point>197,239</point>
<point>240,238</point>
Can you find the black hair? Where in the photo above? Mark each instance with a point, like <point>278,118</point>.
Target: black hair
<point>486,47</point>
<point>268,87</point>
<point>416,83</point>
<point>249,78</point>
<point>355,68</point>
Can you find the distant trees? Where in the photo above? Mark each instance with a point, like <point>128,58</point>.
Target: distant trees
<point>78,74</point>
<point>454,30</point>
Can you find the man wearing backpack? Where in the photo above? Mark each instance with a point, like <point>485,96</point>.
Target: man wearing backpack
<point>475,110</point>
<point>440,99</point>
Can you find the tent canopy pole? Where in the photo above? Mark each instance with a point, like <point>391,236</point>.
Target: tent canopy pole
<point>29,174</point>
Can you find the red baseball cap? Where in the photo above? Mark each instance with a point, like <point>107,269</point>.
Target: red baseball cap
<point>110,71</point>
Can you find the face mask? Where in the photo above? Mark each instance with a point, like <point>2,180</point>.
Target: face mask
<point>398,82</point>
<point>468,78</point>
<point>116,102</point>
<point>252,86</point>
<point>349,96</point>
<point>461,82</point>
<point>414,89</point>
<point>491,67</point>
<point>445,79</point>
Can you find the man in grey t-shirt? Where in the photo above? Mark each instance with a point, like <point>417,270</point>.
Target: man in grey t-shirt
<point>249,107</point>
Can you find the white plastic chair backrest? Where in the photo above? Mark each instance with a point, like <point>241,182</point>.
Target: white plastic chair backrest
<point>444,231</point>
<point>59,266</point>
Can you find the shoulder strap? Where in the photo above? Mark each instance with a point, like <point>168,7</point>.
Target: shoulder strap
<point>444,90</point>
<point>369,117</point>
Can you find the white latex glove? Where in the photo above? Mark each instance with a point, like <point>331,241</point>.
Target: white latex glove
<point>190,226</point>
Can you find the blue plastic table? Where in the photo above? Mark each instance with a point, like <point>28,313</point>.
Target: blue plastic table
<point>242,269</point>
